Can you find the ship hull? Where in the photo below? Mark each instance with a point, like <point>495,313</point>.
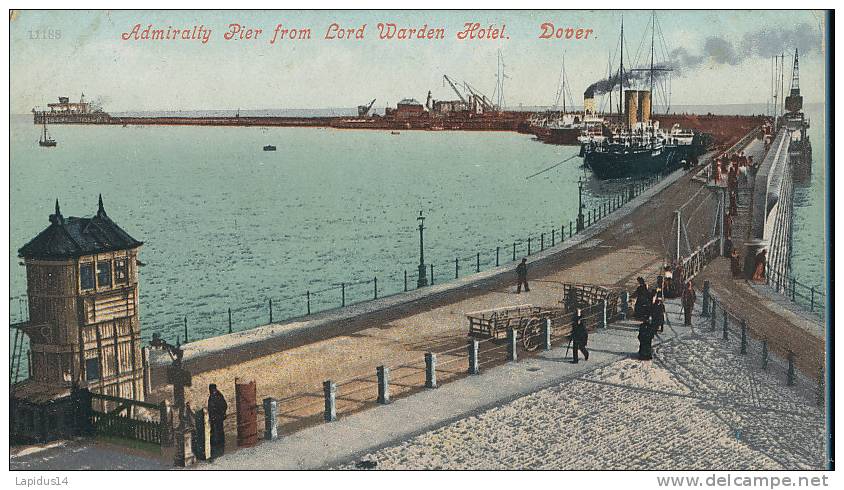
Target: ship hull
<point>630,163</point>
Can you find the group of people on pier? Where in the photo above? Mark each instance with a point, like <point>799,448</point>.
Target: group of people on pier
<point>650,306</point>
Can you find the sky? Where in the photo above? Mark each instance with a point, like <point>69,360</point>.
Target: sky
<point>719,57</point>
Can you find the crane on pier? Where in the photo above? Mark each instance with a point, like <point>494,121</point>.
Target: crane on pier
<point>363,110</point>
<point>453,87</point>
<point>479,97</point>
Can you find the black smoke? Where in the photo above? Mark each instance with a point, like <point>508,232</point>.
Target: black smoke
<point>763,43</point>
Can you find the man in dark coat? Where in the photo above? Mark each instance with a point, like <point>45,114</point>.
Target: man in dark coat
<point>521,275</point>
<point>646,337</point>
<point>643,299</point>
<point>658,315</point>
<point>579,337</point>
<point>216,415</point>
<point>689,298</point>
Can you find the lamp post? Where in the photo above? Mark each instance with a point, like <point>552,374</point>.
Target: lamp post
<point>422,281</point>
<point>580,226</point>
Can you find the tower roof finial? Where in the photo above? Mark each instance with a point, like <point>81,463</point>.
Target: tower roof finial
<point>57,218</point>
<point>100,209</point>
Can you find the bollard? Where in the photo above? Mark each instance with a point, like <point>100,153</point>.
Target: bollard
<point>603,313</point>
<point>271,311</point>
<point>473,357</point>
<point>512,355</point>
<point>743,336</point>
<point>456,268</point>
<point>497,250</point>
<point>790,373</point>
<point>478,262</point>
<point>430,370</point>
<point>186,330</point>
<point>405,280</point>
<point>514,251</point>
<point>270,419</point>
<point>705,311</point>
<point>383,373</point>
<point>765,354</point>
<point>546,334</point>
<point>343,294</point>
<point>329,388</point>
<point>625,304</point>
<point>542,242</point>
<point>230,320</point>
<point>246,411</point>
<point>307,302</point>
<point>432,274</point>
<point>724,337</point>
<point>712,318</point>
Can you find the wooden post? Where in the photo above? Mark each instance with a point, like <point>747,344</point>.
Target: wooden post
<point>383,374</point>
<point>473,357</point>
<point>546,333</point>
<point>329,389</point>
<point>430,370</point>
<point>512,355</point>
<point>270,419</point>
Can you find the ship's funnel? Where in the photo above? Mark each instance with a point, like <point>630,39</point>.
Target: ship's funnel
<point>631,104</point>
<point>644,113</point>
<point>589,105</point>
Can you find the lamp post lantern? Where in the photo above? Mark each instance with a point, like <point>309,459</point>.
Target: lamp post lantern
<point>580,226</point>
<point>422,281</point>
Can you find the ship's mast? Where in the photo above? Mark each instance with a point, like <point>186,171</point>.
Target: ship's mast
<point>653,28</point>
<point>621,73</point>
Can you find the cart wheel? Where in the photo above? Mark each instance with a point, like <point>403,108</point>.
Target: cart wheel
<point>531,334</point>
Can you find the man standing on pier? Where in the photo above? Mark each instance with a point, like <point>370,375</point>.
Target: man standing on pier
<point>216,415</point>
<point>689,298</point>
<point>579,337</point>
<point>521,275</point>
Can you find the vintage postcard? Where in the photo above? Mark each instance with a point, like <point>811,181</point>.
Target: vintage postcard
<point>422,240</point>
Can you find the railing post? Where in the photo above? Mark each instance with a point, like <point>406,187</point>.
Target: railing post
<point>478,262</point>
<point>270,419</point>
<point>512,355</point>
<point>456,268</point>
<point>546,334</point>
<point>405,280</point>
<point>329,388</point>
<point>743,336</point>
<point>570,229</point>
<point>497,254</point>
<point>271,310</point>
<point>705,311</point>
<point>712,318</point>
<point>430,370</point>
<point>383,373</point>
<point>186,330</point>
<point>625,303</point>
<point>725,326</point>
<point>230,320</point>
<point>375,285</point>
<point>542,242</point>
<point>343,294</point>
<point>514,251</point>
<point>790,372</point>
<point>765,354</point>
<point>432,274</point>
<point>553,236</point>
<point>793,286</point>
<point>604,313</point>
<point>308,302</point>
<point>473,357</point>
<point>812,303</point>
<point>528,246</point>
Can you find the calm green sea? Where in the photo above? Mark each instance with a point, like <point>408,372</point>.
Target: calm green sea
<point>227,225</point>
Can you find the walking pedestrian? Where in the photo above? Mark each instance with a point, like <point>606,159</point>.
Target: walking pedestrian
<point>658,315</point>
<point>689,298</point>
<point>760,262</point>
<point>216,415</point>
<point>579,337</point>
<point>521,276</point>
<point>643,299</point>
<point>646,337</point>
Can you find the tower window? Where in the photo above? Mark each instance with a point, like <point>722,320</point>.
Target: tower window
<point>86,276</point>
<point>92,368</point>
<point>121,275</point>
<point>104,274</point>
